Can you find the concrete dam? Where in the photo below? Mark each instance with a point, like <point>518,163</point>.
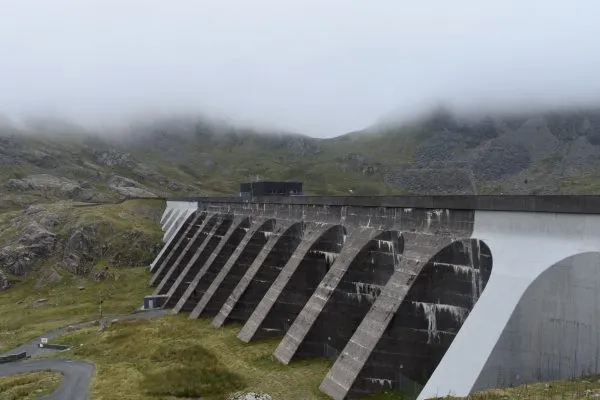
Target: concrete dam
<point>429,295</point>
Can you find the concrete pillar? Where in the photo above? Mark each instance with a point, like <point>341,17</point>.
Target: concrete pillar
<point>164,251</point>
<point>419,249</point>
<point>165,216</point>
<point>223,249</point>
<point>252,328</point>
<point>174,225</point>
<point>180,240</point>
<point>276,241</point>
<point>212,235</point>
<point>198,234</point>
<point>176,214</point>
<point>261,274</point>
<point>296,335</point>
<point>233,270</point>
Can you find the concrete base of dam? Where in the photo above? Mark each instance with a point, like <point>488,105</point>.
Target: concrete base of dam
<point>431,296</point>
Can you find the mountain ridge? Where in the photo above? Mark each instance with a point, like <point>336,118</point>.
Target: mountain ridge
<point>440,153</point>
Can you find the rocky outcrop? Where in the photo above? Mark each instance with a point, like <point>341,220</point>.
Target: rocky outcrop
<point>114,158</point>
<point>50,186</point>
<point>129,188</point>
<point>432,181</point>
<point>44,182</point>
<point>497,159</point>
<point>84,245</point>
<point>361,163</point>
<point>4,284</point>
<point>86,241</point>
<point>34,243</point>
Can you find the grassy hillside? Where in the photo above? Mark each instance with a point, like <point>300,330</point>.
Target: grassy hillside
<point>553,152</point>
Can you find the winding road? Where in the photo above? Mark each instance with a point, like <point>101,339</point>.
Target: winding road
<point>77,375</point>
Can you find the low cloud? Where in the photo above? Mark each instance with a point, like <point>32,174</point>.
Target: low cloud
<point>320,68</point>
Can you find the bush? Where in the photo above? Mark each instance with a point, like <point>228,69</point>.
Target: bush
<point>199,374</point>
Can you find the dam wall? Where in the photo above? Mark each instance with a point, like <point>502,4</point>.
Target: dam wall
<point>428,295</point>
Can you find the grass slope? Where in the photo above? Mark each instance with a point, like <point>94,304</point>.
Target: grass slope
<point>173,357</point>
<point>29,386</point>
<point>24,318</point>
<point>128,235</point>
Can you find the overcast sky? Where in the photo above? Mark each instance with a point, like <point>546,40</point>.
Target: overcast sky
<point>321,67</point>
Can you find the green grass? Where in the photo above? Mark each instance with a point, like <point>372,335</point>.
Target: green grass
<point>584,184</point>
<point>173,357</point>
<point>65,304</point>
<point>29,386</point>
<point>580,388</point>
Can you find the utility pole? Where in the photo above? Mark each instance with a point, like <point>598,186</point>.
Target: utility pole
<point>100,301</point>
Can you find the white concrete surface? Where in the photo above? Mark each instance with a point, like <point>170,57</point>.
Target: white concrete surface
<point>553,332</point>
<point>523,246</point>
<point>181,210</point>
<point>184,208</point>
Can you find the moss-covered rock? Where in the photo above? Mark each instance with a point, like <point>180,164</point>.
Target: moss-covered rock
<point>85,241</point>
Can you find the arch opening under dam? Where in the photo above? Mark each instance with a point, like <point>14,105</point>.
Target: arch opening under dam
<point>195,236</point>
<point>210,234</point>
<point>177,242</point>
<point>235,268</point>
<point>361,283</point>
<point>299,286</point>
<point>267,272</point>
<point>208,267</point>
<point>433,311</point>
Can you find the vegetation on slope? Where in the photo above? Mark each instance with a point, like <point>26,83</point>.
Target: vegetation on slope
<point>29,386</point>
<point>173,357</point>
<point>60,239</point>
<point>441,153</point>
<point>28,310</point>
<point>60,260</point>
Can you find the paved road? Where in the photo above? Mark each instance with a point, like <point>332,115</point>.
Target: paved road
<point>77,374</point>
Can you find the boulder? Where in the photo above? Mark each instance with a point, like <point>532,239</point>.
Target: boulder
<point>250,396</point>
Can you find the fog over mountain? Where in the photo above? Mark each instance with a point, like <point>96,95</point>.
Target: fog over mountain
<point>320,68</point>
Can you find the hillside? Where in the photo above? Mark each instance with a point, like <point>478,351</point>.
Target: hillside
<point>554,152</point>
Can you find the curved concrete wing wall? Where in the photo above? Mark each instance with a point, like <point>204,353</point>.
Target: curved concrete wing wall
<point>553,332</point>
<point>524,245</point>
<point>173,212</point>
<point>183,210</point>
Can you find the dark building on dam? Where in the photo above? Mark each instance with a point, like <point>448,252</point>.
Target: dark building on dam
<point>427,295</point>
<point>269,188</point>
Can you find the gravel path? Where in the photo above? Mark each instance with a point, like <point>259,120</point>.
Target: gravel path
<point>77,374</point>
